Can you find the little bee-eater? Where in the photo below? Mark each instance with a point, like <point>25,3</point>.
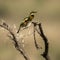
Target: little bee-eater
<point>27,20</point>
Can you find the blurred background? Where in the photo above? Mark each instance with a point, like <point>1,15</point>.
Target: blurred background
<point>48,13</point>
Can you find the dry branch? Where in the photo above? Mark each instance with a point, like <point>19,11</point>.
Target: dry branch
<point>18,46</point>
<point>14,38</point>
<point>36,44</point>
<point>41,33</point>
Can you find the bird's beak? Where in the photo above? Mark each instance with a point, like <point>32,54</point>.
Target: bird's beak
<point>33,12</point>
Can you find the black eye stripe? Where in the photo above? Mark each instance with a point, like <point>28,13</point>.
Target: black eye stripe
<point>25,20</point>
<point>32,15</point>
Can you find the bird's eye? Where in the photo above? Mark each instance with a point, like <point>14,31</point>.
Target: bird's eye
<point>32,15</point>
<point>25,20</point>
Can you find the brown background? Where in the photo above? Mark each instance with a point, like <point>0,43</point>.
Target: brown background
<point>48,13</point>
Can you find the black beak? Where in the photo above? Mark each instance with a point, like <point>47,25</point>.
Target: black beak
<point>33,12</point>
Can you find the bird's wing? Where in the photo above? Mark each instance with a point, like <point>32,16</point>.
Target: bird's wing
<point>26,18</point>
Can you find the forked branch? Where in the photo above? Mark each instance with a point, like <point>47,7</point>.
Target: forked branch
<point>41,33</point>
<point>19,47</point>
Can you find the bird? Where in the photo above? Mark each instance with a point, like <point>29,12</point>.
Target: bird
<point>27,20</point>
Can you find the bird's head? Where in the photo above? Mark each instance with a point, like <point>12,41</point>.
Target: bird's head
<point>32,14</point>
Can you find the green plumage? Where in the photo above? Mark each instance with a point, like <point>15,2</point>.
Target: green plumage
<point>26,21</point>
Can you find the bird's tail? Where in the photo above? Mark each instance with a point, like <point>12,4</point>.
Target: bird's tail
<point>19,29</point>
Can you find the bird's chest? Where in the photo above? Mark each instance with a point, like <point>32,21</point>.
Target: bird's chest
<point>29,24</point>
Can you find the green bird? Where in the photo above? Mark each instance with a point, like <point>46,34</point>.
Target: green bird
<point>27,20</point>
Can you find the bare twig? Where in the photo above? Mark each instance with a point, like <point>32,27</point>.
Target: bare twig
<point>45,53</point>
<point>15,40</point>
<point>41,33</point>
<point>36,45</point>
